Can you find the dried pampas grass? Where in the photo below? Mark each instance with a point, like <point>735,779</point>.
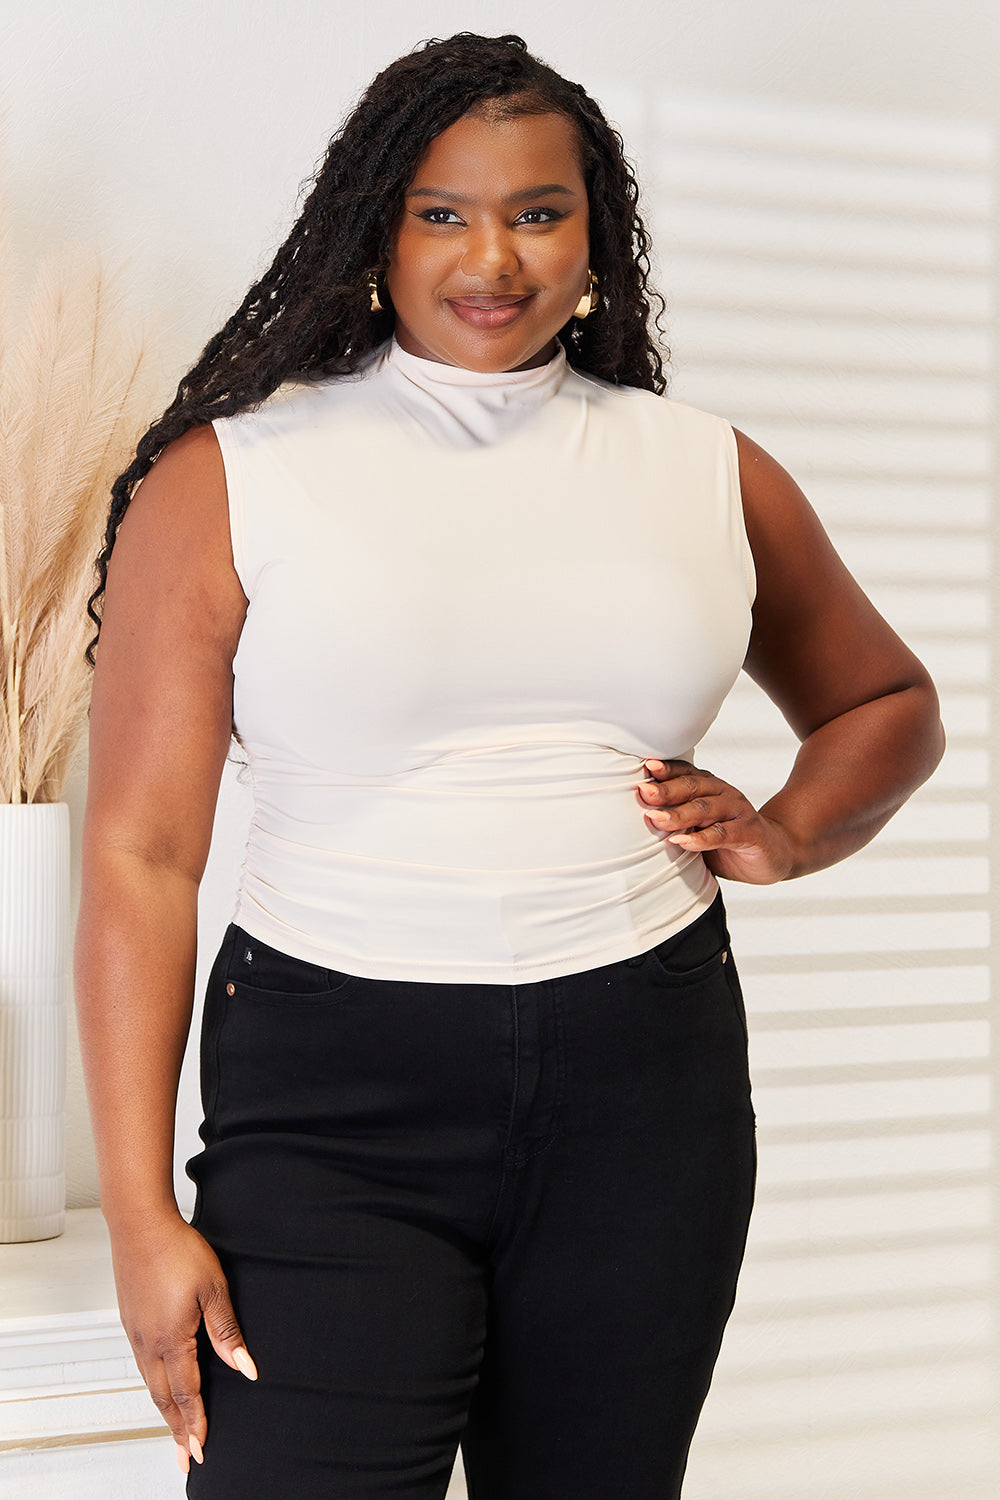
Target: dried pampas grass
<point>73,401</point>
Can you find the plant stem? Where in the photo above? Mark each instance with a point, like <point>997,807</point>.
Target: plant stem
<point>12,703</point>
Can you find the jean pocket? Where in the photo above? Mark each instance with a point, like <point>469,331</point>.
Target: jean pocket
<point>260,973</point>
<point>697,952</point>
<point>671,964</point>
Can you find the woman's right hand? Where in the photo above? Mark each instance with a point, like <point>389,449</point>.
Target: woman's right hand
<point>169,1280</point>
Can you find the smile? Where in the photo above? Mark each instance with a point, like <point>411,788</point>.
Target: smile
<point>489,312</point>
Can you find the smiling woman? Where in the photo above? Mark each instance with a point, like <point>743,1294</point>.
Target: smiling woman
<point>478,1142</point>
<point>486,270</point>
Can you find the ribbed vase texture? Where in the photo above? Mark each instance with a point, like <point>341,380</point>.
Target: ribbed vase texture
<point>34,983</point>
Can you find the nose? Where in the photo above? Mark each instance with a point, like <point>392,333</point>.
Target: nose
<point>489,254</point>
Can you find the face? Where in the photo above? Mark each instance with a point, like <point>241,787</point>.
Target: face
<point>490,254</point>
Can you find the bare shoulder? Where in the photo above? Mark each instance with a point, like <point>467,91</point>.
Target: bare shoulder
<point>772,500</point>
<point>183,495</point>
<point>174,544</point>
<point>793,556</point>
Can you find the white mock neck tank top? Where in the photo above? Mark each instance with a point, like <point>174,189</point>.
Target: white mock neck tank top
<point>477,604</point>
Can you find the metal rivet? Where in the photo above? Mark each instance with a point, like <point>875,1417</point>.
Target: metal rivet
<point>230,989</point>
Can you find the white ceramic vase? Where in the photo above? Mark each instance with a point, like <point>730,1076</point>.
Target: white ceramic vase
<point>34,983</point>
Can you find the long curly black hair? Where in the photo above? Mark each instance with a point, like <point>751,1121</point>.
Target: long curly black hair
<point>309,315</point>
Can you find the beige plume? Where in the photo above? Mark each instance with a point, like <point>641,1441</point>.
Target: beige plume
<point>74,398</point>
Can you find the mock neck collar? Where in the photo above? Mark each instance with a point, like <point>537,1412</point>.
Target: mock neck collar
<point>522,385</point>
<point>467,408</point>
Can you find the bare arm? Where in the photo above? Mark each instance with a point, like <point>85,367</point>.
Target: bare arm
<point>160,727</point>
<point>862,704</point>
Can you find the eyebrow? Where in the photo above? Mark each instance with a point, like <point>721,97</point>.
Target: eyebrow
<point>542,190</point>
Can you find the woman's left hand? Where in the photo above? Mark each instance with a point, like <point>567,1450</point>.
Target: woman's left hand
<point>695,810</point>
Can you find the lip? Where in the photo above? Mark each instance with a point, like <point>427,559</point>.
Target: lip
<point>489,312</point>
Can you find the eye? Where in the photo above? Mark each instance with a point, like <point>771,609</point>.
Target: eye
<point>439,216</point>
<point>538,216</point>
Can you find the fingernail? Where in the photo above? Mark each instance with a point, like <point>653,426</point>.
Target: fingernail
<point>183,1461</point>
<point>196,1450</point>
<point>244,1364</point>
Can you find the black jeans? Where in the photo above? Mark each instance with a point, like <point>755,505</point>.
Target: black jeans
<point>511,1216</point>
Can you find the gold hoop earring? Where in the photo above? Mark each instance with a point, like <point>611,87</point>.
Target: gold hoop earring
<point>373,291</point>
<point>588,302</point>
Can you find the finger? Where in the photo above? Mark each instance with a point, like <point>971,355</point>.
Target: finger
<point>158,1385</point>
<point>184,1380</point>
<point>185,1455</point>
<point>678,789</point>
<point>698,813</point>
<point>744,833</point>
<point>224,1331</point>
<point>713,837</point>
<point>662,770</point>
<point>681,789</point>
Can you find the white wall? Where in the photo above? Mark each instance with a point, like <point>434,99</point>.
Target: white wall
<point>177,137</point>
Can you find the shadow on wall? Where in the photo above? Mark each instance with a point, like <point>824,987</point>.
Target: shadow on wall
<point>830,281</point>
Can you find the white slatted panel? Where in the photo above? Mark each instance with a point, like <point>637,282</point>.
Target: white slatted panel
<point>831,284</point>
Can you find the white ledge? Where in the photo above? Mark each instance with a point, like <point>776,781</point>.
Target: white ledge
<point>66,1370</point>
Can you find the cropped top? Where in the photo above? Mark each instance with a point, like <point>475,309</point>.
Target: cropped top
<point>477,603</point>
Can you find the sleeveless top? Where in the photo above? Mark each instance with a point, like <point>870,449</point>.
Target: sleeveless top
<point>477,602</point>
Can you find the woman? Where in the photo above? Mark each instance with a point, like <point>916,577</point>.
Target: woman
<point>479,1147</point>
